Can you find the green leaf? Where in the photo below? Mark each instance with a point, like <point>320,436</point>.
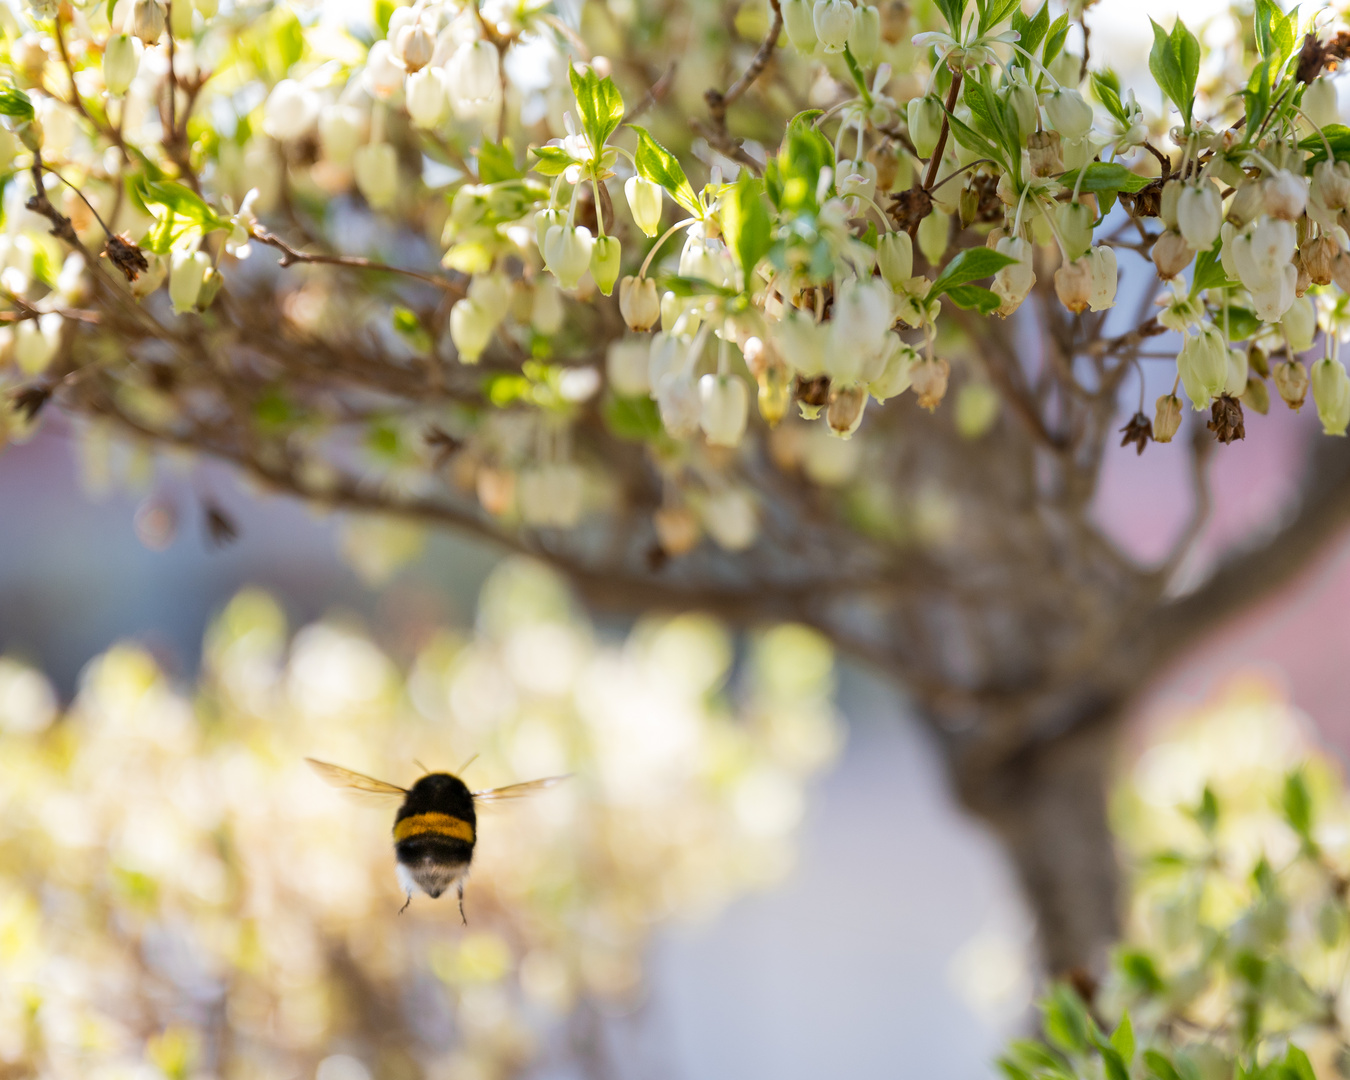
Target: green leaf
<point>495,163</point>
<point>636,419</point>
<point>14,102</point>
<point>1066,1020</point>
<point>600,106</point>
<point>1159,1066</point>
<point>1296,802</point>
<point>792,176</point>
<point>1106,88</point>
<point>410,328</point>
<point>1031,31</point>
<point>1242,324</point>
<point>1336,134</point>
<point>505,387</point>
<point>952,11</point>
<point>551,160</point>
<point>1174,63</point>
<point>1275,32</point>
<point>746,224</point>
<point>970,265</point>
<point>1123,1038</point>
<point>972,140</point>
<point>1297,1061</point>
<point>1055,38</point>
<point>692,286</point>
<point>1099,176</point>
<point>660,166</point>
<point>1138,967</point>
<point>1115,1065</point>
<point>974,298</point>
<point>995,11</point>
<point>1209,274</point>
<point>181,201</point>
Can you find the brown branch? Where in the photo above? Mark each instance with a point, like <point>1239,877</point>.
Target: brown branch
<point>719,101</point>
<point>935,161</point>
<point>290,256</point>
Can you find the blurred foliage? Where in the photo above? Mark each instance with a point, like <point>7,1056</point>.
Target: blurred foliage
<point>1237,834</point>
<point>181,897</point>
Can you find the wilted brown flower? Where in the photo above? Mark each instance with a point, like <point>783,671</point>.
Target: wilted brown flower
<point>1226,419</point>
<point>28,401</point>
<point>1138,431</point>
<point>1291,380</point>
<point>123,253</point>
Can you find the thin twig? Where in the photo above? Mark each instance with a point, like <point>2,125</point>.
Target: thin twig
<point>936,160</point>
<point>290,256</point>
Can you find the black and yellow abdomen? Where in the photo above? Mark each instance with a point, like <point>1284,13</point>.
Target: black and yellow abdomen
<point>435,832</point>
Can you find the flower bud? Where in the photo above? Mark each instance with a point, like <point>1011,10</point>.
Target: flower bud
<point>1075,228</point>
<point>1069,114</point>
<point>1199,214</point>
<point>376,168</point>
<point>626,364</point>
<point>147,21</point>
<point>1284,195</point>
<point>186,274</point>
<point>725,408</point>
<point>414,46</point>
<point>424,96</point>
<point>605,258</point>
<point>833,21</point>
<point>473,79</point>
<point>1203,366</point>
<point>1171,255</point>
<point>1166,418</point>
<point>934,234</point>
<point>1331,393</point>
<point>929,380</point>
<point>845,410</point>
<point>1044,149</point>
<point>545,220</point>
<point>546,307</point>
<point>925,116</point>
<point>1291,381</point>
<point>120,63</point>
<point>1330,186</point>
<point>1013,282</point>
<point>341,129</point>
<point>1256,397</point>
<point>800,25</point>
<point>1319,102</point>
<point>1299,324</point>
<point>638,302</point>
<point>678,400</point>
<point>567,253</point>
<point>864,40</point>
<point>895,258</point>
<point>644,202</point>
<point>471,328</point>
<point>1236,384</point>
<point>180,20</point>
<point>1319,257</point>
<point>802,343</point>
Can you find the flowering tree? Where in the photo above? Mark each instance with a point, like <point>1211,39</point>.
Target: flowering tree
<point>374,265</point>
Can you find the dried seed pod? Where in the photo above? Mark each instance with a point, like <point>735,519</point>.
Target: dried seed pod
<point>1291,381</point>
<point>1171,255</point>
<point>1226,420</point>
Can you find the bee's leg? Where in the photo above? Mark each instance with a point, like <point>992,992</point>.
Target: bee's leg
<point>405,904</point>
<point>462,919</point>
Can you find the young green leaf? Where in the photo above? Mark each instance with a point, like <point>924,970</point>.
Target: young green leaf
<point>1123,1038</point>
<point>660,166</point>
<point>1296,802</point>
<point>974,298</point>
<point>746,224</point>
<point>600,106</point>
<point>952,11</point>
<point>551,160</point>
<point>1055,38</point>
<point>1067,1025</point>
<point>1296,1061</point>
<point>1099,176</point>
<point>994,12</point>
<point>1158,1065</point>
<point>970,265</point>
<point>15,103</point>
<point>1174,63</point>
<point>1338,135</point>
<point>1031,31</point>
<point>182,202</point>
<point>1106,89</point>
<point>495,163</point>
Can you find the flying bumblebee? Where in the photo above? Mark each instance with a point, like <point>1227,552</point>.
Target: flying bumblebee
<point>436,827</point>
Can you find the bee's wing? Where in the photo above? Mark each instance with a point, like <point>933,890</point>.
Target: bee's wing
<point>355,781</point>
<point>518,791</point>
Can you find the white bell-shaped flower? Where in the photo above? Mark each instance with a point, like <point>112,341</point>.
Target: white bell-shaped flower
<point>1299,324</point>
<point>677,399</point>
<point>383,75</point>
<point>800,24</point>
<point>1331,393</point>
<point>121,61</point>
<point>1199,214</point>
<point>1101,278</point>
<point>638,302</point>
<point>36,342</point>
<point>1262,251</point>
<point>471,328</point>
<point>833,21</point>
<point>290,111</point>
<point>1285,195</point>
<point>1238,367</point>
<point>473,79</point>
<point>803,344</point>
<point>1069,114</point>
<point>725,409</point>
<point>376,168</point>
<point>626,363</point>
<point>895,258</point>
<point>1013,283</point>
<point>567,253</point>
<point>644,202</point>
<point>925,115</point>
<point>1203,366</point>
<point>424,95</point>
<point>730,519</point>
<point>187,274</point>
<point>1320,104</point>
<point>897,369</point>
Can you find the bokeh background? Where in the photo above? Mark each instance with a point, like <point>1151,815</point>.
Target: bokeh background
<point>894,939</point>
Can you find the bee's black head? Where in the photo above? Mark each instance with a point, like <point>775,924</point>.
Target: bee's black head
<point>441,793</point>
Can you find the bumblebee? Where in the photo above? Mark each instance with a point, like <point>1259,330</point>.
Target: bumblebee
<point>435,829</point>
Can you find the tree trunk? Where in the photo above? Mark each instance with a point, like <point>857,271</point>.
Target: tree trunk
<point>1047,803</point>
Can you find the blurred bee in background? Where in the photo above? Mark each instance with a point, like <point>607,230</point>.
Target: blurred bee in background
<point>436,828</point>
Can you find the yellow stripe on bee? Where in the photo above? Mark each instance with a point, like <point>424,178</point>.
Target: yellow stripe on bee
<point>433,824</point>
